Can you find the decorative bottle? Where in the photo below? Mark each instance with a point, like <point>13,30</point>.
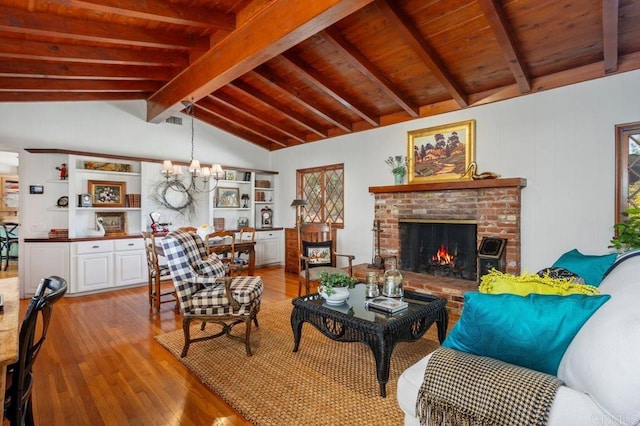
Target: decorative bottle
<point>392,286</point>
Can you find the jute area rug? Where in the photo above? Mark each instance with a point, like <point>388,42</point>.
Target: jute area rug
<point>324,383</point>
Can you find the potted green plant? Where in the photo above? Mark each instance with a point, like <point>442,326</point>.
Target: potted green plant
<point>334,287</point>
<point>628,232</point>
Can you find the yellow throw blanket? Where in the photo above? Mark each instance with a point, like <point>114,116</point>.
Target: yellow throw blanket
<point>464,389</point>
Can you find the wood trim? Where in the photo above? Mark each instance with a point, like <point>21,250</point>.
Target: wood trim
<point>130,158</point>
<point>622,163</point>
<point>443,186</point>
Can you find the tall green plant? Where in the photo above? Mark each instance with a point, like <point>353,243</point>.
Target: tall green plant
<point>628,232</point>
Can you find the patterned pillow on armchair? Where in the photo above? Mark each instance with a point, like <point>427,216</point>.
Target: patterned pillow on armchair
<point>319,253</point>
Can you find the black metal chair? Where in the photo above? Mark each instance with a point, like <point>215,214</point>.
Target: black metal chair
<point>8,238</point>
<point>17,399</point>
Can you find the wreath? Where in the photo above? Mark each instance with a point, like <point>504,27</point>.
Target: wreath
<point>187,207</point>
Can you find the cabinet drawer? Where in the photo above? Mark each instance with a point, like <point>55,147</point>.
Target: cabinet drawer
<point>266,235</point>
<point>131,244</point>
<point>87,247</point>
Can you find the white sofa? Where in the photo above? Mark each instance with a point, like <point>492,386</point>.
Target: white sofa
<point>600,368</point>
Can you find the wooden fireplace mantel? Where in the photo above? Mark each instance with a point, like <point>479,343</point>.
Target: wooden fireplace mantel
<point>452,185</point>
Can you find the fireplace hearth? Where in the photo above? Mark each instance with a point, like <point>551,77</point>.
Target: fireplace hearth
<point>492,204</point>
<point>440,248</point>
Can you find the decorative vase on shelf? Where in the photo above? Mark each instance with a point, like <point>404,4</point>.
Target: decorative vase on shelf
<point>398,178</point>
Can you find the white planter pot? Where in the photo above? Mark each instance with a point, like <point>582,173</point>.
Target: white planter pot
<point>338,297</point>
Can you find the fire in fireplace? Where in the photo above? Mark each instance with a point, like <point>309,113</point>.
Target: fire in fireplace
<point>440,248</point>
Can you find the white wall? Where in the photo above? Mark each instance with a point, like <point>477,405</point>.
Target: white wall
<point>561,141</point>
<point>119,128</point>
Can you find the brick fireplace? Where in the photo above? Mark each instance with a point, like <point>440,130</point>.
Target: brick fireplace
<point>493,205</point>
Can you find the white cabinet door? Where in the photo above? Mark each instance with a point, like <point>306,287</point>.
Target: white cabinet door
<point>130,262</point>
<point>131,268</point>
<point>43,260</point>
<point>94,271</point>
<point>268,248</point>
<point>92,262</point>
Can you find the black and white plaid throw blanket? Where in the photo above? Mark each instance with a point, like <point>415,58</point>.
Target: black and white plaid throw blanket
<point>465,389</point>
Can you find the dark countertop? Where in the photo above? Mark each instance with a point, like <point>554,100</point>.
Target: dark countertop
<point>114,237</point>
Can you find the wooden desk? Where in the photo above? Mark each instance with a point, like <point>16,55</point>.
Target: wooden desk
<point>248,247</point>
<point>9,327</point>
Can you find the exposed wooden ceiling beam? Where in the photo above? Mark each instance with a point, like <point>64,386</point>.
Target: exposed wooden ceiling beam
<point>301,99</point>
<point>362,64</point>
<point>610,35</point>
<point>330,89</point>
<point>208,104</point>
<point>500,27</point>
<point>279,26</point>
<point>84,71</point>
<point>215,121</point>
<point>17,96</point>
<point>157,10</point>
<point>253,113</point>
<point>413,38</point>
<point>280,108</point>
<point>41,24</point>
<point>10,84</point>
<point>95,55</point>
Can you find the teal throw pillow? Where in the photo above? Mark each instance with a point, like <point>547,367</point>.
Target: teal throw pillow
<point>592,268</point>
<point>532,331</point>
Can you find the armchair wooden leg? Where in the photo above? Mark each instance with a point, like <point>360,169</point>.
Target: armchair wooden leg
<point>187,336</point>
<point>247,335</point>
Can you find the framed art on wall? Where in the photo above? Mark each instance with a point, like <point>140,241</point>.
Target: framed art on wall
<point>441,153</point>
<point>227,197</point>
<point>107,193</point>
<point>114,223</point>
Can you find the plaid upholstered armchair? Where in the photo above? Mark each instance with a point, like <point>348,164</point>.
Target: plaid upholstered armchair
<point>204,291</point>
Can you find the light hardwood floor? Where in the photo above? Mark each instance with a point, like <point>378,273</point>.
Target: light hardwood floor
<point>101,365</point>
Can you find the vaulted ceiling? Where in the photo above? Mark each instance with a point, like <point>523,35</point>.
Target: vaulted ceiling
<point>279,73</point>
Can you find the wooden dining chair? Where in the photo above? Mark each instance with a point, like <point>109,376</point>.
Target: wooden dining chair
<point>241,257</point>
<point>224,238</point>
<point>158,275</point>
<point>317,253</point>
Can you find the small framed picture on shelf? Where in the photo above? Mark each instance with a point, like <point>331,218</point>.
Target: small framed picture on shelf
<point>114,223</point>
<point>227,197</point>
<point>230,175</point>
<point>107,193</point>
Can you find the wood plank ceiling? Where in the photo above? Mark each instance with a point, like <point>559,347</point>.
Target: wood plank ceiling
<point>279,73</point>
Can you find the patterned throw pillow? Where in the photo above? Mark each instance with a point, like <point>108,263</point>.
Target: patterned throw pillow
<point>319,253</point>
<point>558,273</point>
<point>496,282</point>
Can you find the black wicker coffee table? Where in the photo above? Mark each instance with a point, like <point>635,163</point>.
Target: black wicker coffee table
<point>353,322</point>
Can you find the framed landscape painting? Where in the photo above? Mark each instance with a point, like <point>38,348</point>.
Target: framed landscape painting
<point>114,223</point>
<point>441,153</point>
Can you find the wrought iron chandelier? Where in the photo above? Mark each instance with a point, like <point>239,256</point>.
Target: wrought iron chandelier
<point>174,175</point>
